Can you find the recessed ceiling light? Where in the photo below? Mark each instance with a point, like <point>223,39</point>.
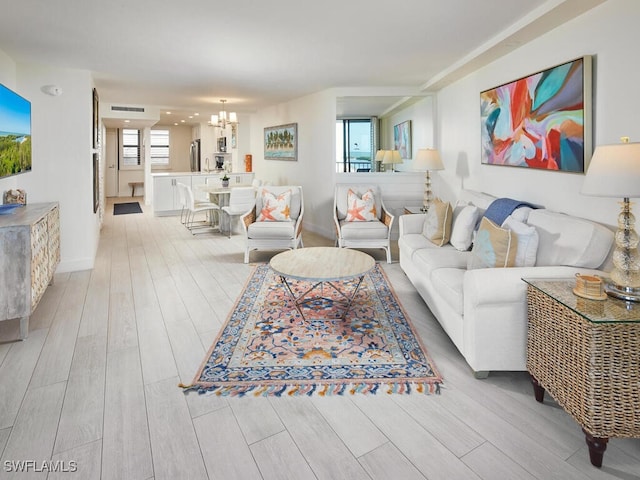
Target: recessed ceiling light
<point>182,121</point>
<point>168,113</point>
<point>127,121</point>
<point>176,123</point>
<point>190,116</point>
<point>196,114</point>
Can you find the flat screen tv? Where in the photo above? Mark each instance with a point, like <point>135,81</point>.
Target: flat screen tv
<point>15,133</point>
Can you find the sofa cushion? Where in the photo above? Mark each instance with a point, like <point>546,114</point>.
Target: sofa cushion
<point>427,260</point>
<point>361,208</point>
<point>527,241</point>
<point>448,282</point>
<point>463,225</point>
<point>570,241</point>
<point>437,224</point>
<point>494,247</point>
<point>363,230</point>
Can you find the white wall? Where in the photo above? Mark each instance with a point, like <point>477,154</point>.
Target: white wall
<point>422,116</point>
<point>314,171</point>
<point>62,167</point>
<point>611,35</point>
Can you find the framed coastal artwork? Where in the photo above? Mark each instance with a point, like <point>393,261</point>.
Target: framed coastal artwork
<point>281,142</point>
<point>541,121</point>
<point>402,138</point>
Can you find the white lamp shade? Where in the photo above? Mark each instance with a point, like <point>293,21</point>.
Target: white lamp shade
<point>428,159</point>
<point>380,155</point>
<point>391,156</point>
<point>233,118</point>
<point>614,171</point>
<point>214,119</point>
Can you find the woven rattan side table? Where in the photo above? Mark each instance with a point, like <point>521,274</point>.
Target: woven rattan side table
<point>586,354</point>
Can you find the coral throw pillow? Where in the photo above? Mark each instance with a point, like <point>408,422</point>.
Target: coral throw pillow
<point>361,209</point>
<point>495,247</point>
<point>275,208</point>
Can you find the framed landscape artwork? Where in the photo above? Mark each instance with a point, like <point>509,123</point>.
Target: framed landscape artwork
<point>281,142</point>
<point>541,121</point>
<point>402,138</point>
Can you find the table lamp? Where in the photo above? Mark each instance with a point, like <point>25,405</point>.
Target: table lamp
<point>427,159</point>
<point>391,157</point>
<point>614,171</point>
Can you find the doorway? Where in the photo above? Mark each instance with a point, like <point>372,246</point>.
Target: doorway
<point>111,157</point>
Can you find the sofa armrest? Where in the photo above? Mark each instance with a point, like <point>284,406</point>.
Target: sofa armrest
<point>495,314</point>
<point>485,286</point>
<point>412,223</point>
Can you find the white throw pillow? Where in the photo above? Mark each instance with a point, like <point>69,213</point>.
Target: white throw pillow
<point>527,241</point>
<point>464,223</point>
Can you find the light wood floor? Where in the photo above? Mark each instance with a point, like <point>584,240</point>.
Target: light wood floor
<point>96,384</point>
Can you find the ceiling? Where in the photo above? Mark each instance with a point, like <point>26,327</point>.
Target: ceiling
<point>185,57</point>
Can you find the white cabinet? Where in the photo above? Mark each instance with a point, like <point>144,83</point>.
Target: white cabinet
<point>165,194</point>
<point>29,256</point>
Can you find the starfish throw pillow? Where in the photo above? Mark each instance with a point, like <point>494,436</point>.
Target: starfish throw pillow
<point>361,209</point>
<point>275,208</point>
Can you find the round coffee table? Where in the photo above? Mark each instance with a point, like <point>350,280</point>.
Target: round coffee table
<point>320,266</point>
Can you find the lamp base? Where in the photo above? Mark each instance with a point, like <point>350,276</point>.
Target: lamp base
<point>630,294</point>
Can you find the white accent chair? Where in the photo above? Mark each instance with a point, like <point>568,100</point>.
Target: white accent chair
<point>274,235</point>
<point>373,234</point>
<point>241,200</point>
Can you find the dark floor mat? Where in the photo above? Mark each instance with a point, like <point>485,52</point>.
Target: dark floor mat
<point>126,208</point>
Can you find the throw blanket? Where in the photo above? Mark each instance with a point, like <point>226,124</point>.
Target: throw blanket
<point>501,208</point>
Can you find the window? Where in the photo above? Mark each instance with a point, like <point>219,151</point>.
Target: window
<point>355,142</point>
<point>159,147</point>
<point>130,147</point>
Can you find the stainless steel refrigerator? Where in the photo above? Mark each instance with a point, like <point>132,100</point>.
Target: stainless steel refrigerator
<point>194,155</point>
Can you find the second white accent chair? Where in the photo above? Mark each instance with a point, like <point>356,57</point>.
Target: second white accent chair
<point>356,232</point>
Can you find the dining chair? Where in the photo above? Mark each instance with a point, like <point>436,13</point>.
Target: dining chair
<point>241,200</point>
<point>211,209</point>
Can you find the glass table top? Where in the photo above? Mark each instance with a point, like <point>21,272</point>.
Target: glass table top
<point>610,310</point>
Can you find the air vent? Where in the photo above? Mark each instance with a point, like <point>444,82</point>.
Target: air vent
<point>115,108</point>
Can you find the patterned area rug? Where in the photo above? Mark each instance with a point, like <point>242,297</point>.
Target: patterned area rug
<point>267,347</point>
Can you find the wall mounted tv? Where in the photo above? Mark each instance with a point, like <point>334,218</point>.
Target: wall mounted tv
<point>15,133</point>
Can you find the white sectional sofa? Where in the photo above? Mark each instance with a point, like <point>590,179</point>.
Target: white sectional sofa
<point>484,310</point>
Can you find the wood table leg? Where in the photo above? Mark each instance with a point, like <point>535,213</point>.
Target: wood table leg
<point>597,446</point>
<point>538,390</point>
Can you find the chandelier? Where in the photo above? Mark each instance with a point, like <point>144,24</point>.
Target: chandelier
<point>223,118</point>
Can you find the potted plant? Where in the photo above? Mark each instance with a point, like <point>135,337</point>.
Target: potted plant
<point>225,181</point>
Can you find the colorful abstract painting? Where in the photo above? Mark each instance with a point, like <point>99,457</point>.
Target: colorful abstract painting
<point>402,138</point>
<point>540,121</point>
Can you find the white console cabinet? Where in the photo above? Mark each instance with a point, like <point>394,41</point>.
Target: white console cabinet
<point>29,256</point>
